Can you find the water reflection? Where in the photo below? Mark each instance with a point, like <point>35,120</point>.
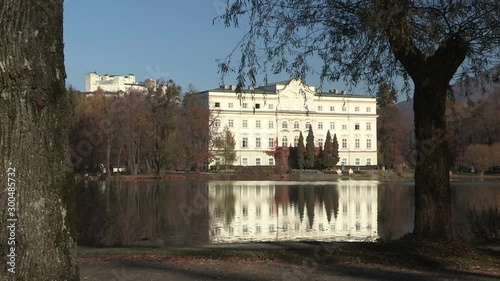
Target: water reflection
<point>277,211</point>
<point>142,213</point>
<point>192,212</point>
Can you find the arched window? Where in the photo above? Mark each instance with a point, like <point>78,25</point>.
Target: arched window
<point>284,141</point>
<point>296,141</point>
<point>296,125</point>
<point>308,124</point>
<point>284,125</point>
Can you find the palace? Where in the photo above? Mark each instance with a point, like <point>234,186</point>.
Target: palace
<point>280,111</point>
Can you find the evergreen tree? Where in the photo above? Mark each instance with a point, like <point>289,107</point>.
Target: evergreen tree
<point>335,151</point>
<point>310,156</point>
<point>327,159</point>
<point>300,152</point>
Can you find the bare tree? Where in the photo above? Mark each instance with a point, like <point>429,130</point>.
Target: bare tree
<point>481,156</point>
<point>35,116</point>
<point>423,41</point>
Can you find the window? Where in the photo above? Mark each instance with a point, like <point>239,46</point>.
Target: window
<point>271,142</point>
<point>356,143</point>
<point>332,108</point>
<point>356,126</point>
<point>217,123</point>
<point>284,141</point>
<point>368,161</point>
<point>368,126</point>
<point>344,161</point>
<point>356,161</point>
<point>244,105</point>
<point>296,141</point>
<point>217,104</point>
<point>368,109</point>
<point>320,108</point>
<point>271,228</point>
<point>244,143</point>
<point>258,229</point>
<point>344,127</point>
<point>257,105</point>
<point>320,125</point>
<point>231,123</point>
<point>258,211</point>
<point>257,142</point>
<point>270,124</point>
<point>244,210</point>
<point>308,124</point>
<point>245,124</point>
<point>344,143</point>
<point>230,105</point>
<point>296,125</point>
<point>245,161</point>
<point>257,123</point>
<point>320,142</point>
<point>245,229</point>
<point>271,161</point>
<point>332,125</point>
<point>356,109</point>
<point>257,161</point>
<point>284,125</point>
<point>368,143</point>
<point>344,108</point>
<point>271,106</point>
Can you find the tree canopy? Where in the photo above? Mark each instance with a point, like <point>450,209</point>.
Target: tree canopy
<point>366,40</point>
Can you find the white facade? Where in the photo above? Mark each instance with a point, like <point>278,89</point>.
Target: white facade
<point>258,217</point>
<point>282,110</point>
<point>111,83</point>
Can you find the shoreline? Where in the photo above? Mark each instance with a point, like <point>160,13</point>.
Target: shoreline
<point>386,176</point>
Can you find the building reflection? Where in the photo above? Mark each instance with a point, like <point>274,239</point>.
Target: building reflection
<point>277,211</point>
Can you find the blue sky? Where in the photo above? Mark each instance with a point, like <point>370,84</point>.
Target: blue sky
<point>152,38</point>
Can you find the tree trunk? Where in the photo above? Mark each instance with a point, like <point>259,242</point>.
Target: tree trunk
<point>35,112</point>
<point>432,183</point>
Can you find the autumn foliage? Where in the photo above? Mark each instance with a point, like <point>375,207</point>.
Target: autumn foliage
<point>143,132</point>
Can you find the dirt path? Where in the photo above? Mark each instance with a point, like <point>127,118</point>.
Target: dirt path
<point>292,262</point>
<point>190,270</point>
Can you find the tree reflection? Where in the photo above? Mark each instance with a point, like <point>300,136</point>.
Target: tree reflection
<point>141,213</point>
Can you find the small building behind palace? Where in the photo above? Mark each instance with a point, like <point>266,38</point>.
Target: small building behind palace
<point>278,112</point>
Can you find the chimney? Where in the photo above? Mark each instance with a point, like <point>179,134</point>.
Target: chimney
<point>344,93</point>
<point>233,87</point>
<point>226,87</point>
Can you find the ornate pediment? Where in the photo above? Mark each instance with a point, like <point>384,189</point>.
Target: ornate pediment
<point>296,95</point>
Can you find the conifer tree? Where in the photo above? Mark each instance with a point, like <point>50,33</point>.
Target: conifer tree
<point>327,159</point>
<point>335,151</point>
<point>300,152</point>
<point>310,156</point>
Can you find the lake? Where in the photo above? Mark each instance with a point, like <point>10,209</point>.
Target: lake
<point>157,213</point>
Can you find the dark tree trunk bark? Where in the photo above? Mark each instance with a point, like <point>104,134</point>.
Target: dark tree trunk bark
<point>432,182</point>
<point>35,112</point>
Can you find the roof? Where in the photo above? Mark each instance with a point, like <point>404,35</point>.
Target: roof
<point>270,89</point>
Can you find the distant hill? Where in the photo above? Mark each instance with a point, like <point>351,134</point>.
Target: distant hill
<point>479,86</point>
